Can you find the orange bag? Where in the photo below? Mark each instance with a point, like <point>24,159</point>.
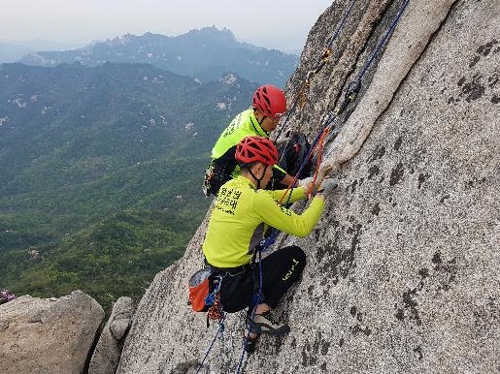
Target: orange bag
<point>199,289</point>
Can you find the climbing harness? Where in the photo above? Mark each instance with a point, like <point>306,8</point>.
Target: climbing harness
<point>215,177</point>
<point>207,182</point>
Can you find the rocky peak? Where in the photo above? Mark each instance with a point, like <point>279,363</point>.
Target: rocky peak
<point>48,335</point>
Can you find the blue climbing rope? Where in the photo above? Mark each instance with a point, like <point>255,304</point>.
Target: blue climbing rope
<point>256,301</point>
<point>322,62</point>
<point>210,300</point>
<point>350,96</point>
<point>341,24</point>
<point>386,37</point>
<point>220,330</point>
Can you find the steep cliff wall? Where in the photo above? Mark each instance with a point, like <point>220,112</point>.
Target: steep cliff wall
<point>404,266</point>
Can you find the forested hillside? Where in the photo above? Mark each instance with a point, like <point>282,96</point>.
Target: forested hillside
<point>101,171</point>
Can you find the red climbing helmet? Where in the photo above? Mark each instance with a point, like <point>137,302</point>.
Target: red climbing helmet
<point>256,149</point>
<point>270,101</point>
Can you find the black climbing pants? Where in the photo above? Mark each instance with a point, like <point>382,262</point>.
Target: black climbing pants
<point>279,271</point>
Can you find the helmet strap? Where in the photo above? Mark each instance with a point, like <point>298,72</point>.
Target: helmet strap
<point>260,124</point>
<point>261,177</point>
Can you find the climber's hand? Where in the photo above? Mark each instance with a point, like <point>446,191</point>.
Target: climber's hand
<point>326,169</point>
<point>327,187</point>
<point>306,182</point>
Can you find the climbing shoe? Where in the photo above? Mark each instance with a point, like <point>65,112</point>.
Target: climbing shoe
<point>263,323</point>
<point>249,344</point>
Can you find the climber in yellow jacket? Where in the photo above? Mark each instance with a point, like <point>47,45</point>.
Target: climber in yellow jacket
<point>268,106</point>
<point>243,211</point>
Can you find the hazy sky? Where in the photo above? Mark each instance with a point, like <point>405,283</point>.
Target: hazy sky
<point>282,24</point>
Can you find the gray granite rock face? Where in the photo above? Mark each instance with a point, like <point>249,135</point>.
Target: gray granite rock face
<point>403,272</point>
<point>48,335</point>
<point>108,349</point>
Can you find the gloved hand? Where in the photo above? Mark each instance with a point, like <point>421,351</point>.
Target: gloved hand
<point>327,186</point>
<point>304,182</point>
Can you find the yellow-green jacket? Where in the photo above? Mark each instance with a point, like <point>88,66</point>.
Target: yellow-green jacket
<point>244,124</point>
<point>223,161</point>
<point>241,215</point>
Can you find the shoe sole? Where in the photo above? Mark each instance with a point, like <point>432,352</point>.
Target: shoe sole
<point>265,329</point>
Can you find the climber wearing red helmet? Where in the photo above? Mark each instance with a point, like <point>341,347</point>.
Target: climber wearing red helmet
<point>270,101</point>
<point>242,213</point>
<point>268,106</point>
<point>254,149</point>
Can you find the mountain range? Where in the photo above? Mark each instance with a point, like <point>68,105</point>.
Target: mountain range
<point>204,54</point>
<point>13,50</point>
<point>103,151</point>
<point>101,171</point>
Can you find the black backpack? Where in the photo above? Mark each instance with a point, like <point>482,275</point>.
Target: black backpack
<point>293,152</point>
